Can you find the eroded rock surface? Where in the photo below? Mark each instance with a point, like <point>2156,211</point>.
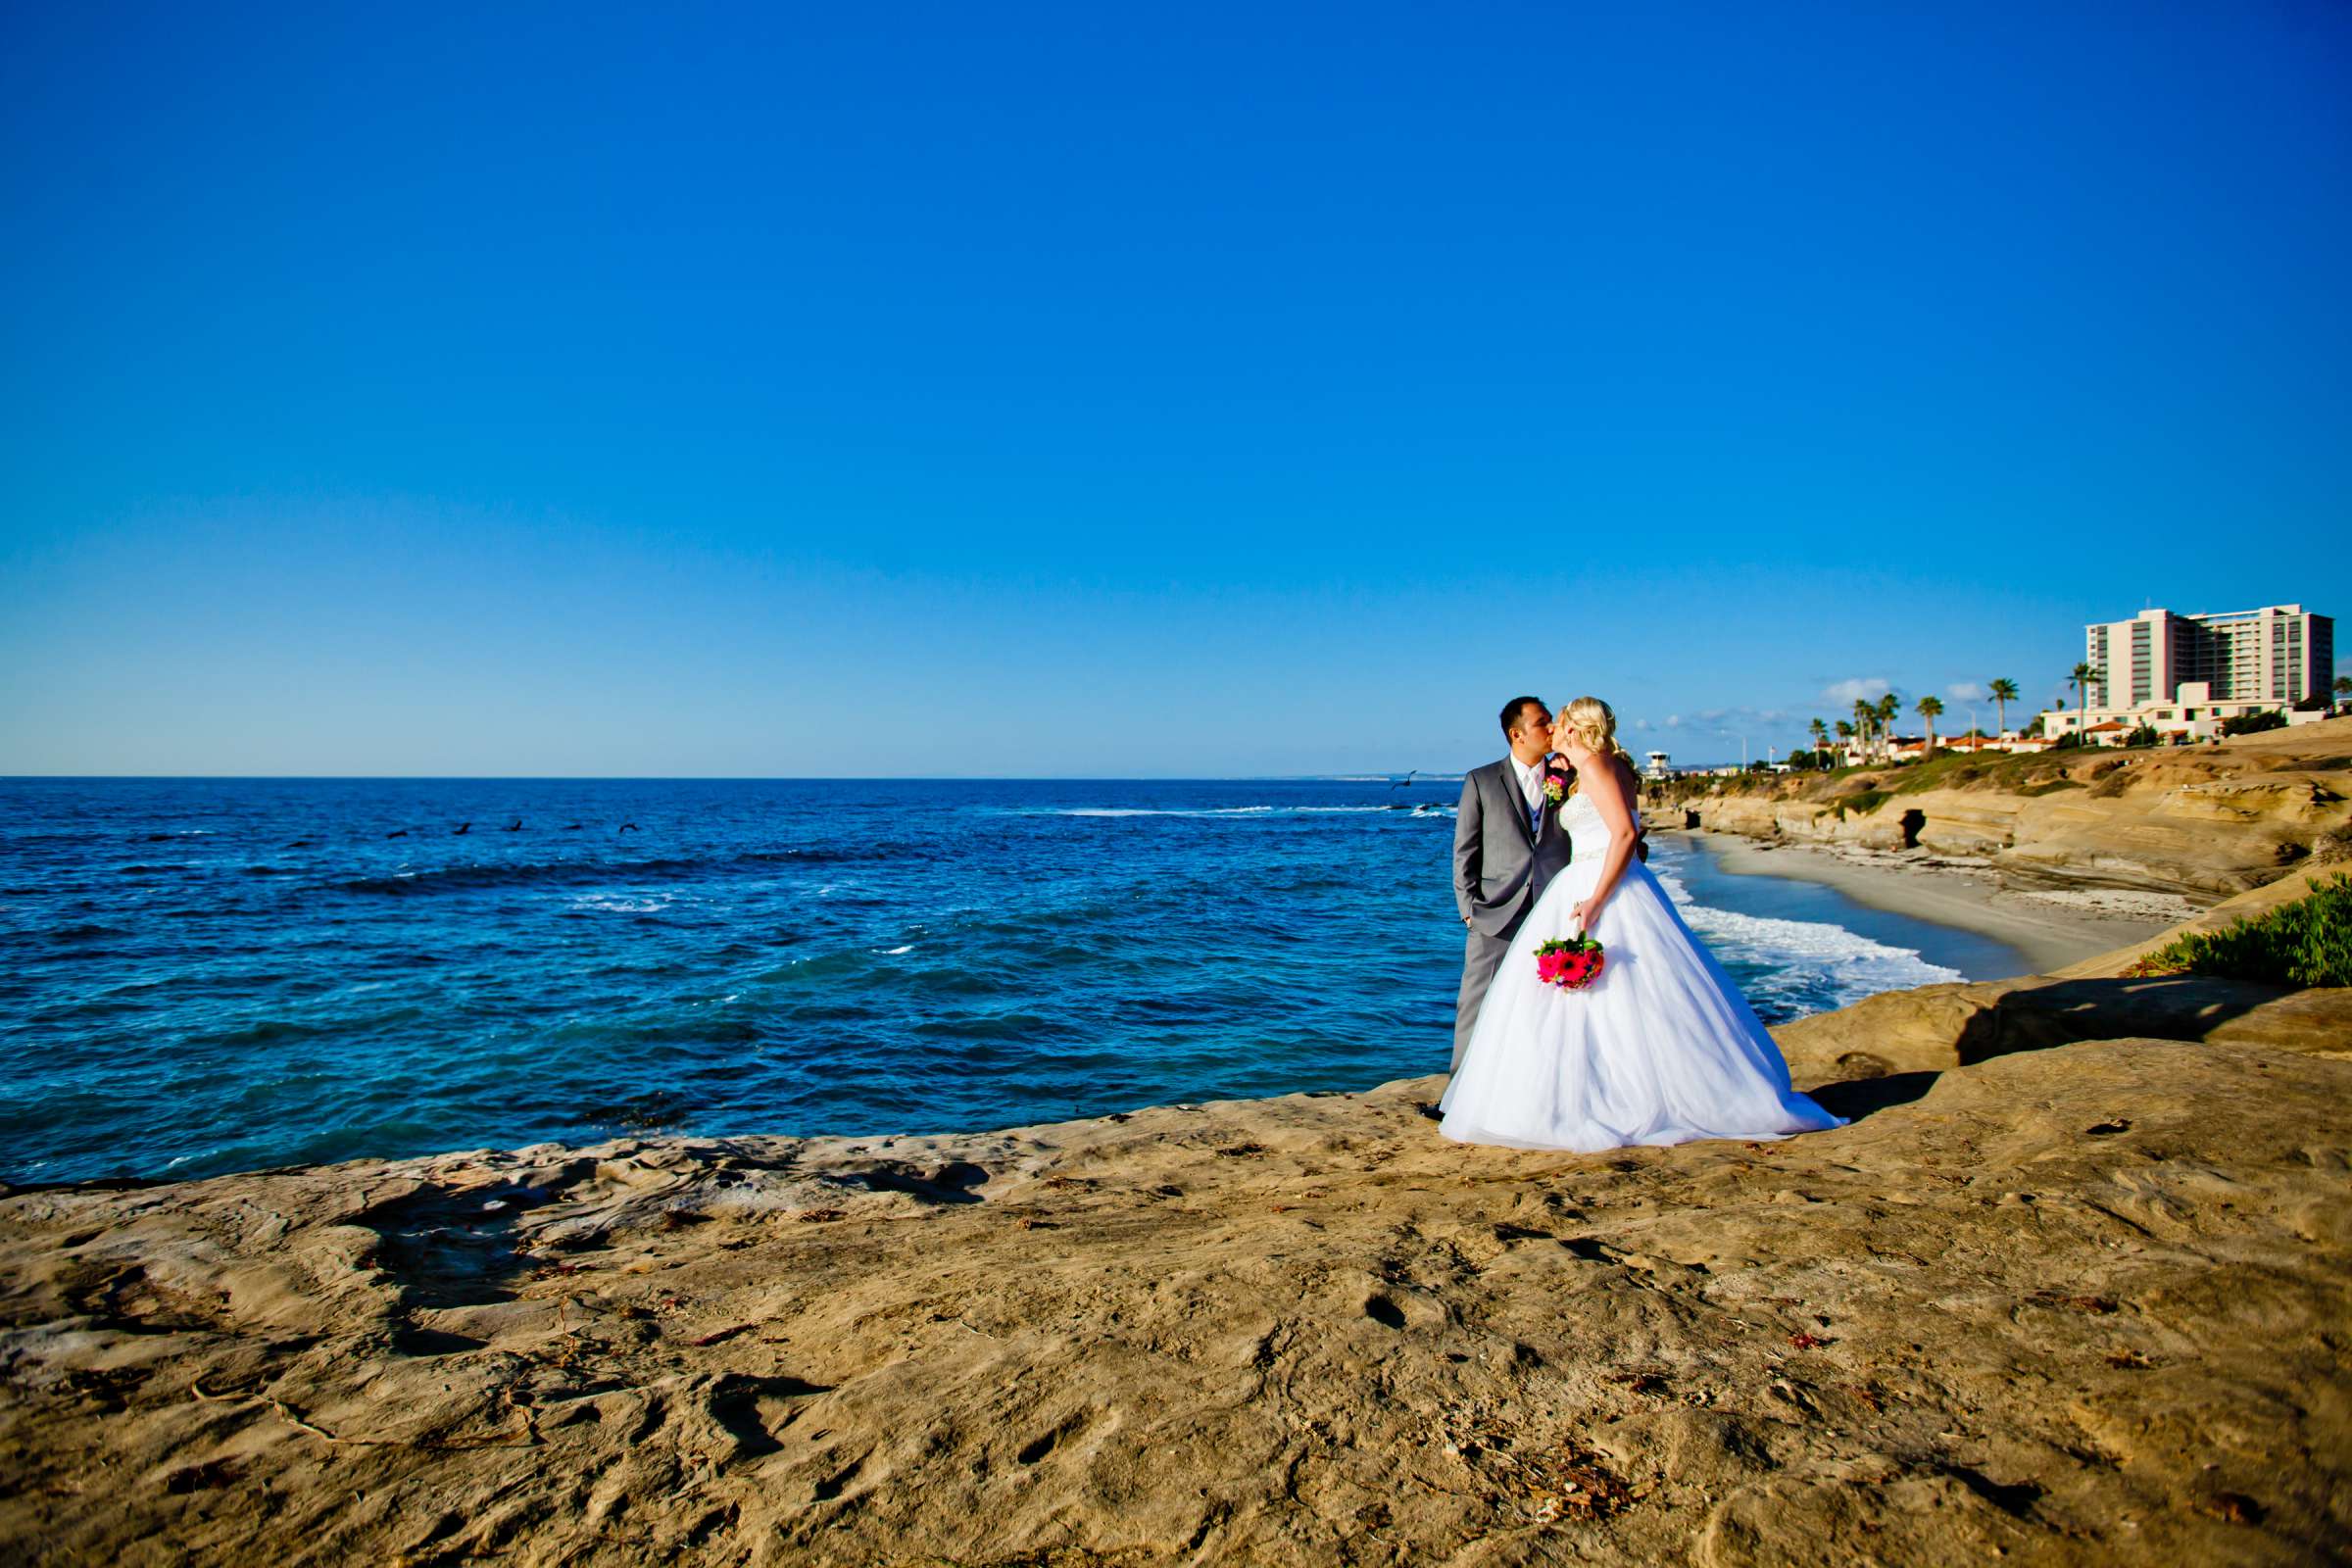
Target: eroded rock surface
<point>2081,1304</point>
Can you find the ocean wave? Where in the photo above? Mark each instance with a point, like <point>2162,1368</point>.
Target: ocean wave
<point>1808,963</point>
<point>567,874</point>
<point>282,1031</point>
<point>1216,810</point>
<point>455,878</point>
<point>88,932</point>
<point>1138,811</point>
<point>618,904</point>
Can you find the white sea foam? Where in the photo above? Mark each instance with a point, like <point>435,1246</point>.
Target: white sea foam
<point>616,904</point>
<point>892,953</point>
<point>1805,961</point>
<point>1127,810</point>
<point>1208,811</point>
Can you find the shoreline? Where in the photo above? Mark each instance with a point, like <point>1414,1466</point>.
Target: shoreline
<point>2050,929</point>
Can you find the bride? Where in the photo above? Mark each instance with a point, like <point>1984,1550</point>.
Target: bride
<point>1661,1048</point>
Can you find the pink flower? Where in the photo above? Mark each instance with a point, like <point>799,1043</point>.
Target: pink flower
<point>1571,963</point>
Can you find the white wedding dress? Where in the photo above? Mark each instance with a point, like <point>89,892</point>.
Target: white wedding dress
<point>1662,1048</point>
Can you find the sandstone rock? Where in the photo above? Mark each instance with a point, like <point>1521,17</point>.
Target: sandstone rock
<point>1938,1027</point>
<point>2204,821</point>
<point>2069,1305</point>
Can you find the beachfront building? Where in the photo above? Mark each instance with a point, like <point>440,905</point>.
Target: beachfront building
<point>1914,748</point>
<point>2182,676</point>
<point>1659,766</point>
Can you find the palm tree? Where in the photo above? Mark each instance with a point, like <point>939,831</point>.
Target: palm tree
<point>2080,678</point>
<point>1928,708</point>
<point>1846,735</point>
<point>1890,708</point>
<point>1821,736</point>
<point>2004,692</point>
<point>1865,715</point>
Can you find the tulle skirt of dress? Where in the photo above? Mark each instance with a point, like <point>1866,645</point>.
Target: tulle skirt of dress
<point>1662,1048</point>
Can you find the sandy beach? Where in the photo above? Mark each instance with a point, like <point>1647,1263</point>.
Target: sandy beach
<point>2051,928</point>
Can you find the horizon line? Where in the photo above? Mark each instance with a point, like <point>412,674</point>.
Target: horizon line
<point>1357,777</point>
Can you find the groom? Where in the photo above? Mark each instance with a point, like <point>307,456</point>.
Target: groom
<point>1508,844</point>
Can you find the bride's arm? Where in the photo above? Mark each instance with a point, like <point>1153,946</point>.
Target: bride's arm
<point>1605,784</point>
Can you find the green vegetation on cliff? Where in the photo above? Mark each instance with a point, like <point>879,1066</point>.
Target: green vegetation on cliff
<point>2306,943</point>
<point>1864,789</point>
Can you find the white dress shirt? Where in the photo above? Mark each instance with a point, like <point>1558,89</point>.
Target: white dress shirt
<point>1531,783</point>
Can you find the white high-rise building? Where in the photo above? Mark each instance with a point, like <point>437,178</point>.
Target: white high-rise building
<point>2184,674</point>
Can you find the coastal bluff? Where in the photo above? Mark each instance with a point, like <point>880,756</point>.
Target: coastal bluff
<point>2077,1300</point>
<point>2204,821</point>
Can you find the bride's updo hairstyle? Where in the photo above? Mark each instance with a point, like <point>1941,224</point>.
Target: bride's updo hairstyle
<point>1593,725</point>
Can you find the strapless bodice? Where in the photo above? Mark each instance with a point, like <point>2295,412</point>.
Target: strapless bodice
<point>1588,834</point>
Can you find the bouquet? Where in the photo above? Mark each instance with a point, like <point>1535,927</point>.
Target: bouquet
<point>1571,963</point>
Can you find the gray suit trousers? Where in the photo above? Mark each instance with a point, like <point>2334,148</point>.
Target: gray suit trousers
<point>1482,955</point>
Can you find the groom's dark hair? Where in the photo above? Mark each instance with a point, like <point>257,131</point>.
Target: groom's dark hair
<point>1512,710</point>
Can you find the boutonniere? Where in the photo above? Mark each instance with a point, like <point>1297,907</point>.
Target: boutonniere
<point>1555,787</point>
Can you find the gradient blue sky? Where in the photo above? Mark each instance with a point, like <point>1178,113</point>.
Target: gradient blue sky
<point>1083,389</point>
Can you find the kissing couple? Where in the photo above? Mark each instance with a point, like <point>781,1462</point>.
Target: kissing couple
<point>1659,1047</point>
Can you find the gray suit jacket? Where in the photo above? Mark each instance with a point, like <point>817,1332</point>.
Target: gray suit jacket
<point>1499,865</point>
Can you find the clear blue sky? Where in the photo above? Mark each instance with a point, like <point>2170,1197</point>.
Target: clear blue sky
<point>1094,389</point>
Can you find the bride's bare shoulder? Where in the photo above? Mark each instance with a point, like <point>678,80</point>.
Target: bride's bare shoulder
<point>1595,766</point>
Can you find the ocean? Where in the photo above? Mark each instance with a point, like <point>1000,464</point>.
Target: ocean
<point>209,975</point>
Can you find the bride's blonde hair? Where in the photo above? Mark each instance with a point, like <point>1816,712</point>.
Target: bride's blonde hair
<point>1594,725</point>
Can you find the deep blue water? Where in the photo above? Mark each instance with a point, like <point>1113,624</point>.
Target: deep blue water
<point>212,975</point>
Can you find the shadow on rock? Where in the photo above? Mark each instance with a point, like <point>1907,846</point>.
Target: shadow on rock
<point>1935,1028</point>
<point>453,1247</point>
<point>1860,1098</point>
<point>952,1183</point>
<point>2166,1008</point>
